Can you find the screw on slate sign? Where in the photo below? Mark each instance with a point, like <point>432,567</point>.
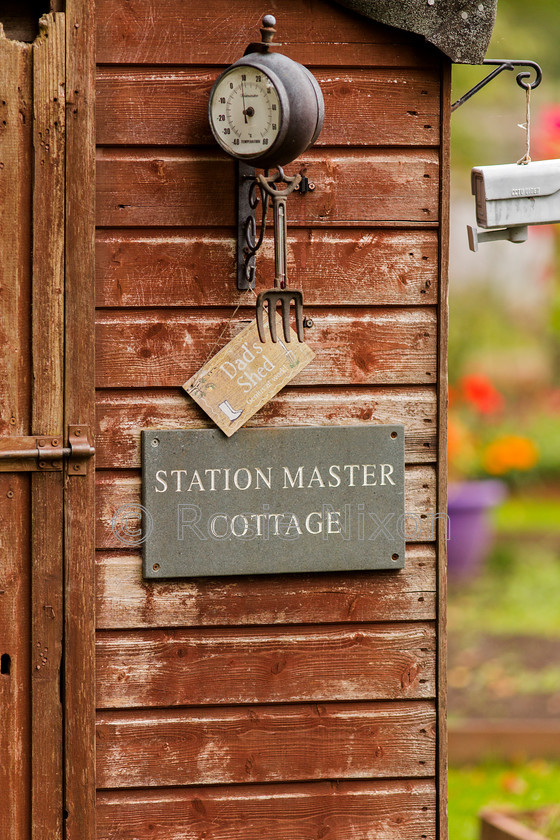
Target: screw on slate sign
<point>307,323</point>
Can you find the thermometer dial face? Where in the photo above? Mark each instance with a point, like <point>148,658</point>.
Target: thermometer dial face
<point>245,111</point>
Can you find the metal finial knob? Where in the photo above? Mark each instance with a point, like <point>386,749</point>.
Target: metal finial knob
<point>267,29</point>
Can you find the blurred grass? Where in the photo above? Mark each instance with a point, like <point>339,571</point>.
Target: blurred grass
<point>529,515</point>
<point>518,591</point>
<point>485,129</point>
<point>526,785</point>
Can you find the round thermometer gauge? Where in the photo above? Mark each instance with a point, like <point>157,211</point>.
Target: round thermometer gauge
<point>246,113</point>
<point>266,109</point>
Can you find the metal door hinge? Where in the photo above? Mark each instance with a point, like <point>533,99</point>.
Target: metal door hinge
<point>47,454</point>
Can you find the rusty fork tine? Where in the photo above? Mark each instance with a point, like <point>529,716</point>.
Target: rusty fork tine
<point>272,320</point>
<point>261,298</point>
<point>298,300</point>
<point>285,307</point>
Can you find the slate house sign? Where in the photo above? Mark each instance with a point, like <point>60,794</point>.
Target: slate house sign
<point>273,500</point>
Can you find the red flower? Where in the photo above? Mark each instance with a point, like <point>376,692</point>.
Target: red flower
<point>547,134</point>
<point>480,392</point>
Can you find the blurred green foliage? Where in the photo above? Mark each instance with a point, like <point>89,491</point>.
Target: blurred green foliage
<point>519,349</point>
<point>483,339</point>
<point>524,786</point>
<point>515,345</point>
<point>508,597</point>
<point>485,129</point>
<point>527,515</point>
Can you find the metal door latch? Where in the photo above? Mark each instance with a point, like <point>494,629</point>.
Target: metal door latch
<point>45,453</point>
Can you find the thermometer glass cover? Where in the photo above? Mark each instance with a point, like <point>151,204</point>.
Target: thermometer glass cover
<point>245,111</point>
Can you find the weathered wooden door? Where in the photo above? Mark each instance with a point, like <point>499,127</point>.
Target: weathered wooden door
<point>46,513</point>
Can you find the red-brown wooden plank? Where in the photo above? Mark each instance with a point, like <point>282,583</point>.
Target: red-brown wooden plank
<point>265,744</point>
<point>130,32</point>
<point>362,107</point>
<point>47,624</point>
<point>172,187</point>
<point>121,416</point>
<point>176,667</point>
<point>165,348</point>
<point>16,122</point>
<point>80,409</point>
<point>383,810</point>
<point>126,601</point>
<point>115,489</point>
<point>197,268</point>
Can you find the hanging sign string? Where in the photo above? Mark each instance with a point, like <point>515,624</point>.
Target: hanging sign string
<point>227,323</point>
<point>527,126</point>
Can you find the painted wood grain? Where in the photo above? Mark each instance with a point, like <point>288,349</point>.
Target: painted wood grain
<point>114,489</point>
<point>178,667</point>
<point>130,32</point>
<point>126,601</point>
<point>265,744</point>
<point>80,409</point>
<point>197,268</point>
<point>173,187</point>
<point>15,499</point>
<point>47,623</point>
<point>169,107</point>
<point>121,416</point>
<point>384,810</point>
<point>16,109</point>
<point>373,347</point>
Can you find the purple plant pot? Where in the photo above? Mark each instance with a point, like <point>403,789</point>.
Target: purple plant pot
<point>470,530</point>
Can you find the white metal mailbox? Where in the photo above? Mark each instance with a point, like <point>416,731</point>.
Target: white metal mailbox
<point>512,196</point>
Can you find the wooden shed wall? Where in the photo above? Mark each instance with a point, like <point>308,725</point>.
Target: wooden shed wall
<point>294,706</point>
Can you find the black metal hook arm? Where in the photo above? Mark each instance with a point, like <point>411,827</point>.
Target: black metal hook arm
<point>504,64</point>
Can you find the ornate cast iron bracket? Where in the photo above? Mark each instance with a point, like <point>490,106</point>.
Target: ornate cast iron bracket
<point>250,194</point>
<point>504,64</point>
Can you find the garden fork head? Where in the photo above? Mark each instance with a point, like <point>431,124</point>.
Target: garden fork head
<point>284,297</point>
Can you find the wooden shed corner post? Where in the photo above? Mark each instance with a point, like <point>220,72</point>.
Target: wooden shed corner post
<point>442,524</point>
<point>80,409</point>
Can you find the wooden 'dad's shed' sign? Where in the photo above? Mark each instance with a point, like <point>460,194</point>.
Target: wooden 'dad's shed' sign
<point>272,500</point>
